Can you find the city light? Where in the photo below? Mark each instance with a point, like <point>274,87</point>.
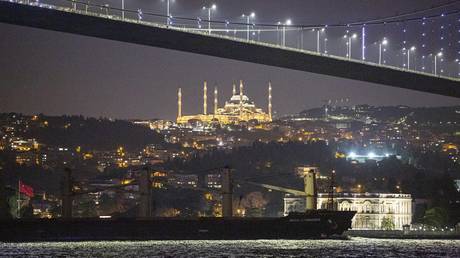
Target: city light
<point>375,159</point>
<point>369,156</point>
<point>352,155</point>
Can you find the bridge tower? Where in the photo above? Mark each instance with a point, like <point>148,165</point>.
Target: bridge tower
<point>227,193</point>
<point>67,193</point>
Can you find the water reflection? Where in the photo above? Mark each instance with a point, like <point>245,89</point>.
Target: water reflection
<point>356,247</point>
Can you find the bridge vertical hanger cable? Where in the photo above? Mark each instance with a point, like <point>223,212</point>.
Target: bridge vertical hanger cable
<point>363,42</point>
<point>457,50</point>
<point>423,36</point>
<point>389,19</point>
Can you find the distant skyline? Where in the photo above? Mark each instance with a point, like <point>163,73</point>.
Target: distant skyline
<point>57,73</point>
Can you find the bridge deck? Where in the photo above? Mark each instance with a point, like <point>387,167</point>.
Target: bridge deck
<point>162,37</point>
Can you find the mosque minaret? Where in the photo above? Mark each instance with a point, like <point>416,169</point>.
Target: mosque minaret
<point>238,109</point>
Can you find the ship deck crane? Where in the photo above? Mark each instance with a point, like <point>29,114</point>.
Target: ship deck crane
<point>310,192</point>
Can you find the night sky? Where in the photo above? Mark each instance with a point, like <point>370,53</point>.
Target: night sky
<point>57,73</point>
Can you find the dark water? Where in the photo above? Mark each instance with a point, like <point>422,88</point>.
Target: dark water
<point>355,247</point>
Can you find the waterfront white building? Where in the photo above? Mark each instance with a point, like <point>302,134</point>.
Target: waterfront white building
<point>375,211</point>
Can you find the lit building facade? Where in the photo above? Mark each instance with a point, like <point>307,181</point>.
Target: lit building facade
<point>373,209</point>
<point>238,109</point>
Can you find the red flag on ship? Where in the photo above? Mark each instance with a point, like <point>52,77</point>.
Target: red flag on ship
<point>26,189</point>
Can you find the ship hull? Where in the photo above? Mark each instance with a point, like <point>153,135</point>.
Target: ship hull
<point>318,224</point>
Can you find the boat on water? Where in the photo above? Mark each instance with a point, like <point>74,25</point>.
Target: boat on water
<point>312,223</point>
<point>308,225</point>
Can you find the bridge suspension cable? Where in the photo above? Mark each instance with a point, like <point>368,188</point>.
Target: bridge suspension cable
<point>379,21</point>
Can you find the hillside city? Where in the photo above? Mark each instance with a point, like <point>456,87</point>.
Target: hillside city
<point>361,151</point>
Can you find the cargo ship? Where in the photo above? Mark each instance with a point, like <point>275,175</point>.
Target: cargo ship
<point>308,225</point>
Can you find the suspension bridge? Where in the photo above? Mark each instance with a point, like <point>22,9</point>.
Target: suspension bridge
<point>276,44</point>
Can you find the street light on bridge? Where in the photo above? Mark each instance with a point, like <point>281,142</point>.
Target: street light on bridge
<point>349,41</point>
<point>318,31</point>
<point>458,62</point>
<point>248,17</point>
<point>209,9</point>
<point>287,23</point>
<point>122,10</point>
<point>412,49</point>
<point>436,62</point>
<point>168,11</point>
<point>384,42</point>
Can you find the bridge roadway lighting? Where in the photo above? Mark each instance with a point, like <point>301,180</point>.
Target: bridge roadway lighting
<point>458,62</point>
<point>317,38</point>
<point>384,42</point>
<point>278,32</point>
<point>350,38</point>
<point>139,14</point>
<point>363,42</point>
<point>106,9</point>
<point>325,45</point>
<point>212,7</point>
<point>248,17</point>
<point>287,23</point>
<point>86,7</point>
<point>412,49</point>
<point>168,12</point>
<point>436,62</point>
<point>122,10</point>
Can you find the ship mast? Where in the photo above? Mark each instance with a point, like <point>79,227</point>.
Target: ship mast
<point>330,200</point>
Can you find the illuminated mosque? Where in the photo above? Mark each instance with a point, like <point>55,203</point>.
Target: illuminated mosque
<point>238,109</point>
